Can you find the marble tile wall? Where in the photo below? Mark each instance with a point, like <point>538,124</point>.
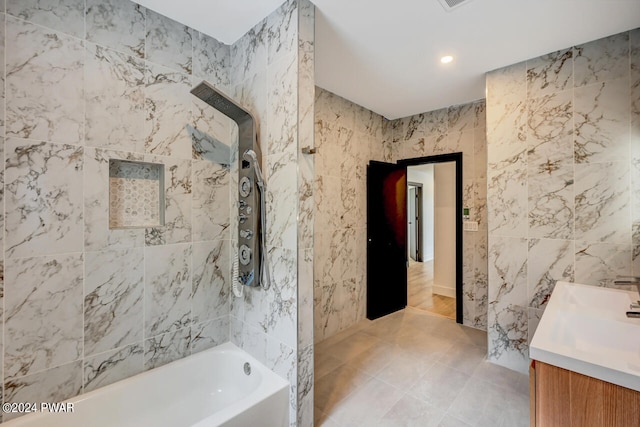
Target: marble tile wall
<point>563,142</point>
<point>459,128</point>
<point>85,305</point>
<point>272,76</point>
<point>345,137</point>
<point>348,137</point>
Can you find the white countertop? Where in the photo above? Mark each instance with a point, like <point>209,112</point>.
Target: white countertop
<point>585,329</point>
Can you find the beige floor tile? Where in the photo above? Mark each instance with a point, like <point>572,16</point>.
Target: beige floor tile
<point>463,357</point>
<point>325,363</point>
<point>352,346</point>
<point>439,386</point>
<point>451,421</point>
<point>411,412</point>
<point>334,387</point>
<point>367,405</point>
<point>480,403</point>
<point>404,371</point>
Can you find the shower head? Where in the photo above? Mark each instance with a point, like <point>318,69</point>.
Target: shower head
<point>221,102</point>
<point>250,156</point>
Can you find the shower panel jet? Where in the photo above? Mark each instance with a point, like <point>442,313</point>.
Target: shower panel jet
<point>250,267</point>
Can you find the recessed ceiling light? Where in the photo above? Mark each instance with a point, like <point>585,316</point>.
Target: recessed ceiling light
<point>446,59</point>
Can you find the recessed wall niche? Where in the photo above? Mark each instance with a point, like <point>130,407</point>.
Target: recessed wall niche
<point>136,194</point>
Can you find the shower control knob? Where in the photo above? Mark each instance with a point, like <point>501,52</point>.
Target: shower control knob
<point>242,218</point>
<point>242,204</point>
<point>246,234</point>
<point>244,255</point>
<point>245,186</point>
<point>249,210</point>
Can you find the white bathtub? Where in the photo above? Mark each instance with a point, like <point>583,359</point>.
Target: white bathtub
<point>206,389</point>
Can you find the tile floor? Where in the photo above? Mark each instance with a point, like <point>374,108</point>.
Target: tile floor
<point>412,368</point>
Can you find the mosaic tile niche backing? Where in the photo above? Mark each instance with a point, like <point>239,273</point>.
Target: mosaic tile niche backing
<point>135,194</point>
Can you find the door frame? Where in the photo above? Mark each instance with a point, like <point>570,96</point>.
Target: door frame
<point>444,158</point>
<point>419,213</point>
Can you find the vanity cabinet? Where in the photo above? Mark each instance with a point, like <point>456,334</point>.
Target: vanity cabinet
<point>564,398</point>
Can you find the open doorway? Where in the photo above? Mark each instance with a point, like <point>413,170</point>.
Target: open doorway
<point>431,231</point>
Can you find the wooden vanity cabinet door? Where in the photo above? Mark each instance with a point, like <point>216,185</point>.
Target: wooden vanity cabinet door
<point>567,399</point>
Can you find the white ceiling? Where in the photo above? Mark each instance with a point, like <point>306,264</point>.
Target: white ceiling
<point>384,55</point>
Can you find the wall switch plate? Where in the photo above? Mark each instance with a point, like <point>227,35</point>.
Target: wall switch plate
<point>470,226</point>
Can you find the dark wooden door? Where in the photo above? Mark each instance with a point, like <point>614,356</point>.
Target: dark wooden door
<point>386,239</point>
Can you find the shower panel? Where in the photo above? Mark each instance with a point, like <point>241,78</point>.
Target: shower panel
<point>250,267</point>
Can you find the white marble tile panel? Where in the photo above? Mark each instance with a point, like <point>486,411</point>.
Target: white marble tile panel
<point>551,200</point>
<point>168,111</point>
<point>507,197</point>
<point>603,211</point>
<point>211,60</point>
<point>168,42</point>
<point>53,385</point>
<point>282,107</point>
<point>601,60</point>
<point>634,40</point>
<point>2,76</point>
<point>117,24</point>
<point>506,129</point>
<point>506,83</point>
<point>598,264</point>
<point>40,61</point>
<point>282,32</point>
<point>550,73</point>
<point>113,299</point>
<point>550,128</point>
<point>249,53</point>
<point>107,368</point>
<point>167,289</point>
<point>509,337</point>
<point>211,280</point>
<point>66,16</point>
<point>44,198</point>
<point>97,235</point>
<point>548,261</point>
<point>210,201</point>
<point>507,272</point>
<point>305,297</point>
<point>209,334</point>
<point>43,313</point>
<point>436,122</point>
<point>178,188</point>
<point>166,348</point>
<point>281,200</point>
<point>114,100</point>
<point>461,117</point>
<point>601,120</point>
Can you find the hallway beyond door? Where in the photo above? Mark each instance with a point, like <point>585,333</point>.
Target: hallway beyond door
<point>420,291</point>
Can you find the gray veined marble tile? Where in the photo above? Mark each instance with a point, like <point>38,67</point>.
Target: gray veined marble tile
<point>281,198</point>
<point>461,117</point>
<point>43,313</point>
<point>2,74</point>
<point>107,368</point>
<point>507,272</point>
<point>53,385</point>
<point>551,200</point>
<point>167,288</point>
<point>168,42</point>
<point>249,53</point>
<point>508,336</point>
<point>598,264</point>
<point>282,32</point>
<point>178,203</point>
<point>601,60</point>
<point>44,84</point>
<point>507,198</point>
<point>506,129</point>
<point>507,83</point>
<point>282,297</point>
<point>209,334</point>
<point>550,128</point>
<point>66,16</point>
<point>166,348</point>
<point>97,235</point>
<point>113,302</point>
<point>168,111</point>
<point>44,198</point>
<point>114,102</point>
<point>550,73</point>
<point>211,280</point>
<point>117,24</point>
<point>634,39</point>
<point>548,262</point>
<point>602,195</point>
<point>436,122</point>
<point>412,127</point>
<point>210,201</point>
<point>211,60</point>
<point>281,110</point>
<point>601,120</point>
